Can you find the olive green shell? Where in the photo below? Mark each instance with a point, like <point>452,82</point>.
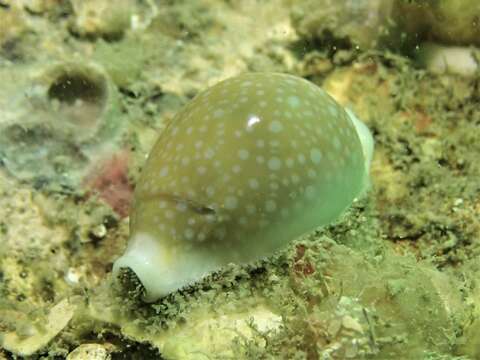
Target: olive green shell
<point>248,165</point>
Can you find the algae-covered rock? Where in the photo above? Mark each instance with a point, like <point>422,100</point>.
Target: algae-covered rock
<point>361,23</point>
<point>449,22</point>
<point>443,59</point>
<point>393,24</point>
<point>95,19</point>
<point>332,302</point>
<point>26,338</point>
<point>54,118</point>
<point>90,352</point>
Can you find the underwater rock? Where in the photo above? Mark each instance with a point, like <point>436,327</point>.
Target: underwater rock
<point>34,337</point>
<point>51,7</point>
<point>98,18</point>
<point>83,97</point>
<point>55,119</point>
<point>248,165</point>
<point>90,352</point>
<point>443,59</point>
<point>393,24</point>
<point>355,305</point>
<point>361,23</point>
<point>449,22</point>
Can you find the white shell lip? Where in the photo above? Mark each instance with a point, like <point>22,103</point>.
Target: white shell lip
<point>144,256</point>
<point>159,268</point>
<point>365,136</point>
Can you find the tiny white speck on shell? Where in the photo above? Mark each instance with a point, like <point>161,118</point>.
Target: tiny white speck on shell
<point>243,154</point>
<point>276,126</point>
<point>274,163</point>
<point>231,202</point>
<point>270,205</point>
<point>315,155</point>
<point>253,183</point>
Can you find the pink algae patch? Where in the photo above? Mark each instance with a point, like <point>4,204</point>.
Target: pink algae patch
<point>300,265</point>
<point>108,179</point>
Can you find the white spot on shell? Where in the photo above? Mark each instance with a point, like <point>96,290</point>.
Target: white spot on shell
<point>293,101</point>
<point>333,110</point>
<point>210,190</point>
<point>243,154</point>
<point>231,202</point>
<point>276,126</point>
<point>181,207</point>
<point>274,186</point>
<point>188,233</point>
<point>270,205</point>
<point>209,153</point>
<point>316,155</point>
<point>274,163</point>
<point>163,171</point>
<point>162,204</point>
<point>253,183</point>
<point>218,113</point>
<point>310,192</point>
<point>336,143</point>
